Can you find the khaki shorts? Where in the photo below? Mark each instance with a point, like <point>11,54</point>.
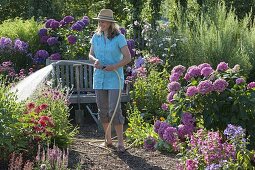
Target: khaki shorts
<point>106,103</point>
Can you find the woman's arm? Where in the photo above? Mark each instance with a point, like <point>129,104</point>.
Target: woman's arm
<point>126,59</point>
<point>92,57</point>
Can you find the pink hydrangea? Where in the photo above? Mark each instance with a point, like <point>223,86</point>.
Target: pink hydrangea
<point>251,85</point>
<point>205,87</point>
<point>191,91</point>
<point>222,66</point>
<point>174,86</point>
<point>240,80</point>
<point>220,85</point>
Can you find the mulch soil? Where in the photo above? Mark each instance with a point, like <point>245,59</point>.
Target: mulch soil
<point>87,155</point>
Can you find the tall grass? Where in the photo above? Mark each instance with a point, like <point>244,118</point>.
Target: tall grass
<point>213,36</point>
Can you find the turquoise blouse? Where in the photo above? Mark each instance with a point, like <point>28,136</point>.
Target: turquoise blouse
<point>108,52</point>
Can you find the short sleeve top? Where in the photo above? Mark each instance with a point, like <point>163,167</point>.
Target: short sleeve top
<point>108,52</point>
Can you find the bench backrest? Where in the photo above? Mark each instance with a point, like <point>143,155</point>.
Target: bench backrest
<point>65,73</point>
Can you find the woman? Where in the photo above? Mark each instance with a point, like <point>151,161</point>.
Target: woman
<point>109,53</point>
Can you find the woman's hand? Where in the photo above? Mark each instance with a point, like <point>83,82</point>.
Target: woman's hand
<point>110,68</point>
<point>97,64</point>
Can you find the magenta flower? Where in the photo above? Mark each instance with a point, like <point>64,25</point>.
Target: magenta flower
<point>220,85</point>
<point>205,87</point>
<point>251,85</point>
<point>191,91</point>
<point>191,164</point>
<point>240,80</point>
<point>222,66</point>
<point>206,71</point>
<point>174,86</point>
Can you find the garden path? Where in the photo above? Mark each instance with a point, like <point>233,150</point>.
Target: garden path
<point>91,157</point>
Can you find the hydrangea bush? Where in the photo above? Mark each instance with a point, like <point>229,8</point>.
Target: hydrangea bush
<point>65,39</point>
<point>216,97</point>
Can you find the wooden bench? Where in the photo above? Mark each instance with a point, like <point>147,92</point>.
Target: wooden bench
<point>65,74</point>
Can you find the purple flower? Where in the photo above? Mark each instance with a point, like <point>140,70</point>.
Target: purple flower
<point>44,39</point>
<point>191,164</point>
<point>157,126</point>
<point>240,80</point>
<point>251,85</point>
<point>174,77</point>
<point>191,91</point>
<point>205,87</point>
<point>206,71</point>
<point>5,42</point>
<point>187,119</point>
<point>162,129</point>
<point>164,107</point>
<point>52,41</point>
<point>174,86</point>
<point>43,32</point>
<point>170,135</point>
<point>131,43</point>
<point>71,39</point>
<point>54,24</point>
<point>170,96</point>
<point>201,66</point>
<point>178,69</point>
<point>86,22</point>
<point>187,77</point>
<point>123,31</point>
<point>139,62</point>
<point>220,85</point>
<point>222,66</point>
<point>234,132</point>
<point>194,71</point>
<point>42,54</point>
<point>185,130</point>
<point>213,167</point>
<point>68,19</point>
<point>20,46</point>
<point>77,27</point>
<point>55,56</point>
<point>132,52</point>
<point>149,143</point>
<point>86,18</point>
<point>48,23</point>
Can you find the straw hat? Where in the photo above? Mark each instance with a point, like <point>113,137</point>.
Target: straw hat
<point>105,15</point>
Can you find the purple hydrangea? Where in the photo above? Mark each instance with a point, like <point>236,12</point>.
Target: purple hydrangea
<point>174,77</point>
<point>187,119</point>
<point>220,85</point>
<point>201,66</point>
<point>71,39</point>
<point>162,128</point>
<point>68,19</point>
<point>185,130</point>
<point>44,39</point>
<point>178,69</point>
<point>206,71</point>
<point>43,32</point>
<point>170,96</point>
<point>157,126</point>
<point>20,46</point>
<point>205,87</point>
<point>123,31</point>
<point>170,135</point>
<point>174,86</point>
<point>54,24</point>
<point>187,77</point>
<point>139,62</point>
<point>131,43</point>
<point>191,91</point>
<point>233,132</point>
<point>222,66</point>
<point>48,23</point>
<point>194,71</point>
<point>5,42</point>
<point>77,27</point>
<point>251,85</point>
<point>42,54</point>
<point>52,41</point>
<point>240,81</point>
<point>164,107</point>
<point>55,56</point>
<point>149,143</point>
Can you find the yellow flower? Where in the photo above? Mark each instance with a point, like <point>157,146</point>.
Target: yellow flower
<point>162,119</point>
